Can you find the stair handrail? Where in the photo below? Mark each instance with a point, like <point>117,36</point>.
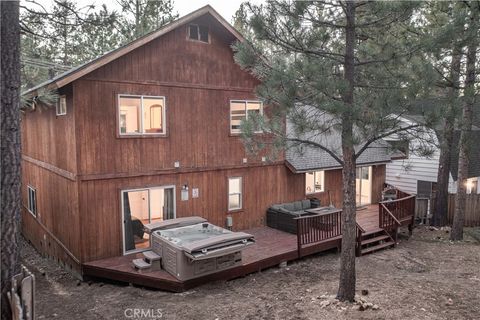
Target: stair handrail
<point>390,213</point>
<point>359,232</point>
<point>360,228</point>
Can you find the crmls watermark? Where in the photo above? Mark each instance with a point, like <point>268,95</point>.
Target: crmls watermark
<point>137,313</point>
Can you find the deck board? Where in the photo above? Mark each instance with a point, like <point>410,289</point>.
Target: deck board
<point>271,248</point>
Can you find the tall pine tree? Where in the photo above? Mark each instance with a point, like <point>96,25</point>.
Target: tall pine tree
<point>350,60</point>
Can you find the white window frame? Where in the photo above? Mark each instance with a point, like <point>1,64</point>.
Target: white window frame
<point>61,100</point>
<point>32,201</point>
<point>122,213</point>
<point>246,113</point>
<point>235,193</point>
<point>314,178</point>
<point>142,133</point>
<point>198,32</point>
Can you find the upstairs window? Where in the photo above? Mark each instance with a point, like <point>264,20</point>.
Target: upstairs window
<point>198,33</point>
<point>32,201</point>
<point>61,106</point>
<point>141,115</point>
<point>234,193</point>
<point>314,182</point>
<point>241,110</point>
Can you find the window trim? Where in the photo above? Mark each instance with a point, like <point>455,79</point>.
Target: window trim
<point>246,113</point>
<point>229,194</point>
<point>142,134</point>
<point>198,31</point>
<point>314,175</point>
<point>57,107</point>
<point>32,206</point>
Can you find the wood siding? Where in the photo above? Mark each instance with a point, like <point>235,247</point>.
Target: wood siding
<point>198,130</point>
<point>262,187</point>
<point>50,138</point>
<point>55,230</point>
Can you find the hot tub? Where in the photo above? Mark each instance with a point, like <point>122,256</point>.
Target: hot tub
<point>192,247</point>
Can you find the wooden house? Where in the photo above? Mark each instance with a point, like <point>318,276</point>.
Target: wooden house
<point>150,131</point>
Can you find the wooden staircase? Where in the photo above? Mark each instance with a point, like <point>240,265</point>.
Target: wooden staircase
<point>374,240</point>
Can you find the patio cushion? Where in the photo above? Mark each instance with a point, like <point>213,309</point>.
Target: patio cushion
<point>305,204</point>
<point>282,209</point>
<point>289,206</point>
<point>297,205</point>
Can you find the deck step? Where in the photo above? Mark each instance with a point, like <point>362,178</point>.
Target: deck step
<point>141,264</point>
<point>378,247</point>
<point>150,256</point>
<point>375,239</point>
<point>373,231</point>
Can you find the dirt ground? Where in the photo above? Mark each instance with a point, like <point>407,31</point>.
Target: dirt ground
<point>425,277</point>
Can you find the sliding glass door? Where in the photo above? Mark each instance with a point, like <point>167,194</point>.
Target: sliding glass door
<point>364,186</point>
<point>143,206</point>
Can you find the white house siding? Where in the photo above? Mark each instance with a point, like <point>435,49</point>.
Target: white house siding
<point>404,174</point>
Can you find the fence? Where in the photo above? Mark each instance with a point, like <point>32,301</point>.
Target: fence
<point>472,209</point>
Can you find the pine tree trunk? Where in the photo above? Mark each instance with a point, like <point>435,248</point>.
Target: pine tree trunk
<point>10,147</point>
<point>440,206</point>
<point>465,143</point>
<point>346,290</point>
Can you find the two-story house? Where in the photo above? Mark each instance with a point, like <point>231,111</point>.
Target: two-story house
<point>151,131</point>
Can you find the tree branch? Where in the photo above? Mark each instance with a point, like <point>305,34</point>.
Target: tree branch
<point>384,135</point>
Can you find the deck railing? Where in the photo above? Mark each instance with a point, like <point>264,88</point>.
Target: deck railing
<point>316,228</point>
<point>395,213</point>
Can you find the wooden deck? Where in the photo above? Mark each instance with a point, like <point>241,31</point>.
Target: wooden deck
<point>272,247</point>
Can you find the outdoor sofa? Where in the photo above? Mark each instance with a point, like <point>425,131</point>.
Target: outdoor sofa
<point>282,216</point>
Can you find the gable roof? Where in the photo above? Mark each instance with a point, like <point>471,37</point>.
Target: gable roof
<point>304,158</point>
<point>81,70</point>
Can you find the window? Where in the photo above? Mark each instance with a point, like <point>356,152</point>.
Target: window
<point>241,110</point>
<point>314,182</point>
<point>62,106</point>
<point>32,201</point>
<point>198,33</point>
<point>234,193</point>
<point>141,115</point>
<point>472,186</point>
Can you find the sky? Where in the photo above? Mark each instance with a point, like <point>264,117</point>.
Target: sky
<point>226,8</point>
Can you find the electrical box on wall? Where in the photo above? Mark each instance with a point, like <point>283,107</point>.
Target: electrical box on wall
<point>195,193</point>
<point>229,222</point>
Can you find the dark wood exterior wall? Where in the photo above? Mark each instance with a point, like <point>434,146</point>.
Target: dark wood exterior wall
<point>55,231</point>
<point>49,138</point>
<point>378,175</point>
<point>262,187</point>
<point>197,81</point>
<point>333,185</point>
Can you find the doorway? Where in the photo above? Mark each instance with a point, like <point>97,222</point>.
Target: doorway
<point>364,186</point>
<point>143,206</point>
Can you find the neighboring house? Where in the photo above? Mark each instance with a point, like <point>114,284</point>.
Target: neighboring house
<point>149,132</point>
<point>417,174</point>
